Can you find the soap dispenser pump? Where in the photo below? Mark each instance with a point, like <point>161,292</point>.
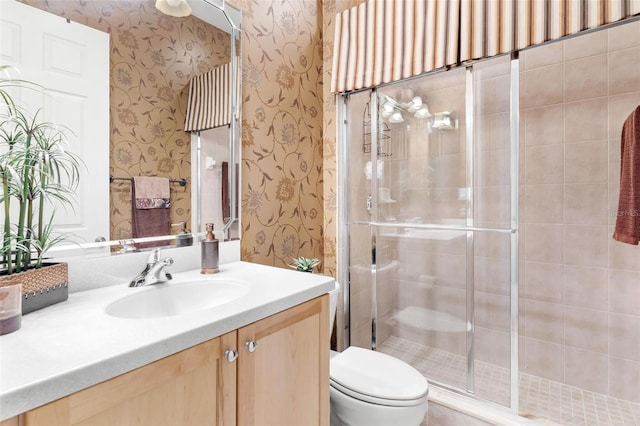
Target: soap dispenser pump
<point>209,252</point>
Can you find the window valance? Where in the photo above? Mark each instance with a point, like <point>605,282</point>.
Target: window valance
<point>209,103</point>
<point>380,41</point>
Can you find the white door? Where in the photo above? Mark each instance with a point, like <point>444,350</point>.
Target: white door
<point>71,62</point>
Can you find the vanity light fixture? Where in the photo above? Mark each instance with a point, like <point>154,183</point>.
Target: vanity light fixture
<point>177,8</point>
<point>394,111</point>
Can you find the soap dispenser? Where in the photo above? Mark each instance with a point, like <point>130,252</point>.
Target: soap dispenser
<point>209,252</point>
<point>183,238</point>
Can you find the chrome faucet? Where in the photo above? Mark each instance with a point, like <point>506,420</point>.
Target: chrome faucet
<point>154,272</point>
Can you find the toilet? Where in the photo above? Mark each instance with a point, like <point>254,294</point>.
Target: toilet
<point>371,388</point>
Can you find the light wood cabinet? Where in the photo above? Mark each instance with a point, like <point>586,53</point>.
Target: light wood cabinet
<point>193,387</point>
<point>284,381</point>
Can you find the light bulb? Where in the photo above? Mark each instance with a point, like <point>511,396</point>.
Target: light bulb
<point>415,104</point>
<point>396,117</point>
<point>423,112</point>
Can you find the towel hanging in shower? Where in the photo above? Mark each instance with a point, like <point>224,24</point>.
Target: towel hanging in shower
<point>627,228</point>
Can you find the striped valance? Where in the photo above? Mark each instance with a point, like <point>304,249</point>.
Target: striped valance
<point>380,41</point>
<point>209,99</point>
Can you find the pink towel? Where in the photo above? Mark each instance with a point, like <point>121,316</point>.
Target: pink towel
<point>150,215</point>
<point>152,192</point>
<point>627,228</point>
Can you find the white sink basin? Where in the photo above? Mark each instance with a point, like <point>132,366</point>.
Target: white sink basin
<point>176,298</point>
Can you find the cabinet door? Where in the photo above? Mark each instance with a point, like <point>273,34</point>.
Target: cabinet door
<point>194,387</point>
<point>285,380</point>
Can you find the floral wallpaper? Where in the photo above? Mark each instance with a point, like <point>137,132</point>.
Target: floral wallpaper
<point>153,56</point>
<point>282,189</point>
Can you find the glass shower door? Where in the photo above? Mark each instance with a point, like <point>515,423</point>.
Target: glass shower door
<point>421,242</point>
<point>430,226</point>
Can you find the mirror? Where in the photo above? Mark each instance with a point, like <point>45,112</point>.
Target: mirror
<point>152,58</point>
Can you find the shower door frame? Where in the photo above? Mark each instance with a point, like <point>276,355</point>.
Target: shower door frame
<point>344,227</point>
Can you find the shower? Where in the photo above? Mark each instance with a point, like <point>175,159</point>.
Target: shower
<point>464,245</point>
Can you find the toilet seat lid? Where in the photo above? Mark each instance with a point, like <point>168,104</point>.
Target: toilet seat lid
<point>376,377</point>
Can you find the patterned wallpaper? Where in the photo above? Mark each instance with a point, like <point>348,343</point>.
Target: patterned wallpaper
<point>282,189</point>
<point>152,59</point>
<point>289,181</point>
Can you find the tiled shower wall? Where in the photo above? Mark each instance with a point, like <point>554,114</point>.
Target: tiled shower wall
<point>579,288</point>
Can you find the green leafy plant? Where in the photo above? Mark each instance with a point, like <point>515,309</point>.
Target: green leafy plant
<point>36,170</point>
<point>304,264</point>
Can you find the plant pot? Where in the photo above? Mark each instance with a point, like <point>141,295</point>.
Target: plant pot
<point>41,287</point>
<point>10,307</point>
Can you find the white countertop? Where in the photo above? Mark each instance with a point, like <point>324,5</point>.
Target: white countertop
<point>73,345</point>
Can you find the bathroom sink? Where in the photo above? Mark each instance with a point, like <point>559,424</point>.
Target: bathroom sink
<point>176,298</point>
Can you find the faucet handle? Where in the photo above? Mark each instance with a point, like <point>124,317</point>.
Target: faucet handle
<point>154,257</point>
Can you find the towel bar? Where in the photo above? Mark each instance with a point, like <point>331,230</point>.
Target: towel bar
<point>181,181</point>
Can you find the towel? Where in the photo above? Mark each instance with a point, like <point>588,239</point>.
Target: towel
<point>151,192</point>
<point>627,228</point>
<point>150,208</point>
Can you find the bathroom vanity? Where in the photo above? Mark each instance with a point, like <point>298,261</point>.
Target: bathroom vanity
<point>261,358</point>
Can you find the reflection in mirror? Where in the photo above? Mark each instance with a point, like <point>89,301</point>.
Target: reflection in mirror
<point>152,59</point>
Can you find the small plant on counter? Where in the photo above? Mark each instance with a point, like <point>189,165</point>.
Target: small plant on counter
<point>36,170</point>
<point>305,264</point>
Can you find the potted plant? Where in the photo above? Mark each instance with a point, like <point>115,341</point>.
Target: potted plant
<point>36,170</point>
<point>304,264</point>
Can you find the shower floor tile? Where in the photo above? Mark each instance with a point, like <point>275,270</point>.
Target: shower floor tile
<point>539,398</point>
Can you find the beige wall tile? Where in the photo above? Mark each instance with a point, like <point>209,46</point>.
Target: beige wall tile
<point>586,287</point>
<point>624,379</point>
<point>586,245</point>
<point>544,164</point>
<point>548,54</point>
<point>614,159</point>
<point>620,107</point>
<point>491,96</point>
<point>544,282</point>
<point>586,329</point>
<point>493,167</point>
<point>587,370</point>
<point>621,65</point>
<point>614,200</point>
<point>543,204</point>
<point>624,36</point>
<point>544,125</point>
<point>624,292</point>
<point>585,78</point>
<point>544,243</point>
<point>586,162</point>
<point>492,311</point>
<point>585,45</point>
<point>623,256</point>
<point>585,120</point>
<point>543,86</point>
<point>624,336</point>
<point>545,321</point>
<point>544,359</point>
<point>583,204</point>
<point>492,275</point>
<point>492,206</point>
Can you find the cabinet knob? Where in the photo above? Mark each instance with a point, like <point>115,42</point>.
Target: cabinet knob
<point>230,355</point>
<point>251,345</point>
